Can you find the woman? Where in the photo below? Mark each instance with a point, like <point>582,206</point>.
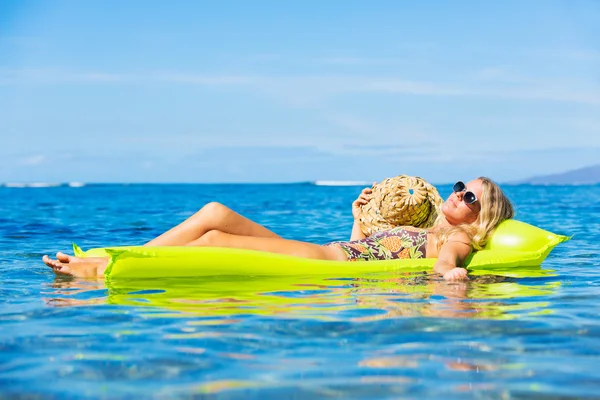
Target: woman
<point>468,217</point>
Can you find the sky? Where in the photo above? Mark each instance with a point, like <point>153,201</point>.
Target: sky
<point>275,91</point>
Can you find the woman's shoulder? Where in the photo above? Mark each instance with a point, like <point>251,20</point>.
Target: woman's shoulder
<point>459,236</point>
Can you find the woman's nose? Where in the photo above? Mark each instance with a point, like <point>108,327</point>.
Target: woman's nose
<point>459,195</point>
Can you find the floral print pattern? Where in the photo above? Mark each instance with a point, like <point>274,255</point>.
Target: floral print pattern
<point>400,242</point>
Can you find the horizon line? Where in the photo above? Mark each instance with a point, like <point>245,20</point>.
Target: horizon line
<point>327,183</point>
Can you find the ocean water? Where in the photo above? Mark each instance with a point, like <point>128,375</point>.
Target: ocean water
<point>409,335</point>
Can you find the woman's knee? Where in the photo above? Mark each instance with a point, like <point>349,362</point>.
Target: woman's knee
<point>214,211</point>
<point>210,238</point>
<point>213,207</point>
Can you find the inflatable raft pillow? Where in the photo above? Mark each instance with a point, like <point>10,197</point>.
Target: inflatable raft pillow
<point>513,244</point>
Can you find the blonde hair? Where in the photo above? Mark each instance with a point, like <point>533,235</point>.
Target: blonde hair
<point>495,208</point>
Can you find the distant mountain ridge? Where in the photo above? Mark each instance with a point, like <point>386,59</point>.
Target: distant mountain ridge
<point>582,176</point>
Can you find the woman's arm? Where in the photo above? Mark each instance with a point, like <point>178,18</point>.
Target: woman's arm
<point>356,231</point>
<point>452,255</point>
<point>363,198</point>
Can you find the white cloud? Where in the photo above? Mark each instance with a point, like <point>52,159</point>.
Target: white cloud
<point>356,61</point>
<point>546,94</point>
<point>491,73</point>
<point>570,54</point>
<point>400,86</point>
<point>306,90</point>
<point>204,79</point>
<point>351,123</point>
<point>32,160</point>
<point>58,76</point>
<point>53,76</point>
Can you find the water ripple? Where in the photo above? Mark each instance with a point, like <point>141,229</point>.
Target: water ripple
<point>404,336</point>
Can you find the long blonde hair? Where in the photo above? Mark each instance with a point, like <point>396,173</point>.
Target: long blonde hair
<point>495,208</point>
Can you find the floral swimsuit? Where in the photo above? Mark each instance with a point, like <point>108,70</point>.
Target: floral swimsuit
<point>400,242</point>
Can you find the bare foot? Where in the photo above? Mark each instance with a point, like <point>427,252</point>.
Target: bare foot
<point>89,267</point>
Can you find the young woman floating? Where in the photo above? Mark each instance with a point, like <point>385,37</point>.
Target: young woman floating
<point>467,219</point>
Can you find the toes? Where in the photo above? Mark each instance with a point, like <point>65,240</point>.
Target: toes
<point>49,262</point>
<point>62,270</point>
<point>56,265</point>
<point>62,257</point>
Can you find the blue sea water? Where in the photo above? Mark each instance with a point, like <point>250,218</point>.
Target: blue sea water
<point>406,336</point>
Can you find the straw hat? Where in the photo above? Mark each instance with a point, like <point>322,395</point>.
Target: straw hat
<point>400,201</point>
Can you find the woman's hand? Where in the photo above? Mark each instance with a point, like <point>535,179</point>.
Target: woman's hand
<point>456,274</point>
<point>452,254</point>
<point>363,198</point>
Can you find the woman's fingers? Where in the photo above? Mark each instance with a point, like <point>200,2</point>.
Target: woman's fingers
<point>365,194</point>
<point>456,274</point>
<point>363,198</point>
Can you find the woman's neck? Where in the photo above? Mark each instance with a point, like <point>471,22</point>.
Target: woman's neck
<point>443,224</point>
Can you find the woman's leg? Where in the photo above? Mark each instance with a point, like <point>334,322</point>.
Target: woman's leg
<point>213,216</point>
<point>95,266</point>
<point>296,248</point>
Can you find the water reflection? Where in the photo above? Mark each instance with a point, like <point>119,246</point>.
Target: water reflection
<point>408,294</point>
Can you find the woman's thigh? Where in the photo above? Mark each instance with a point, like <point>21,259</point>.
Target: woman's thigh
<point>270,244</point>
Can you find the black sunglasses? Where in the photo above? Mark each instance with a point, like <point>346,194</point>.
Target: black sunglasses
<point>468,196</point>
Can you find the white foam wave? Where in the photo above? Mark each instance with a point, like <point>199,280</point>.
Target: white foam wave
<point>31,185</point>
<point>342,183</point>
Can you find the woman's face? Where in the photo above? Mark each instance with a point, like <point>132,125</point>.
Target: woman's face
<point>457,211</point>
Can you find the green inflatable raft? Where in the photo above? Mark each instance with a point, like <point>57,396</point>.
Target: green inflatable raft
<point>513,244</point>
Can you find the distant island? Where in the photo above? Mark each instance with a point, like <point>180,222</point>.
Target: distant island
<point>582,176</point>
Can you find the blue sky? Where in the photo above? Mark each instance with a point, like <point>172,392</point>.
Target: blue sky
<point>272,91</point>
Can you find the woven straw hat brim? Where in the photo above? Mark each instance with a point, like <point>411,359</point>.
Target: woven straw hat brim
<point>400,201</point>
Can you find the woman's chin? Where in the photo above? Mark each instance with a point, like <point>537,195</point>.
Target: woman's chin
<point>446,208</point>
<point>449,214</point>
